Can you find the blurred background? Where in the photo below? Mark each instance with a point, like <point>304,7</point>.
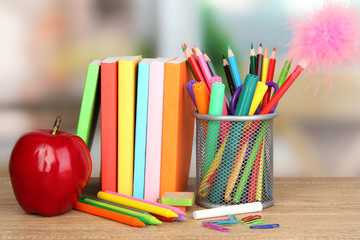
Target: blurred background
<point>46,47</point>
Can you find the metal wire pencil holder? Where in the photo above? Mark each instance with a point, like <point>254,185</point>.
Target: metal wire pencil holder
<point>234,159</point>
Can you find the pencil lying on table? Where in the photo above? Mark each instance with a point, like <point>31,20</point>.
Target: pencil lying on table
<point>135,222</point>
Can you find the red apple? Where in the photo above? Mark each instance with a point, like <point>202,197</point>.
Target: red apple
<point>49,170</point>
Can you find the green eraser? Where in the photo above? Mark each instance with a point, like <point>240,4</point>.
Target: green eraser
<point>178,198</point>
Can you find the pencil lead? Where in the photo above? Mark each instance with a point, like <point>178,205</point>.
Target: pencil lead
<point>274,49</point>
<point>224,56</point>
<point>185,46</point>
<point>195,46</point>
<point>252,46</point>
<point>260,45</point>
<point>229,47</point>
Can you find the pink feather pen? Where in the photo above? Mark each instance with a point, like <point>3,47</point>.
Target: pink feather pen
<point>323,38</point>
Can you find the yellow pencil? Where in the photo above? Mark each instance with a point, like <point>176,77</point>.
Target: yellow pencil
<point>204,186</point>
<point>136,204</point>
<point>265,66</point>
<point>260,176</point>
<point>240,155</point>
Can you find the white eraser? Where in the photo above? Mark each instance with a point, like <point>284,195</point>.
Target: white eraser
<point>223,211</point>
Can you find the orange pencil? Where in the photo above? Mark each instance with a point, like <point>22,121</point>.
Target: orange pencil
<point>135,222</point>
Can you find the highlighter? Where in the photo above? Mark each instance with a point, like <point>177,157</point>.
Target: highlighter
<point>246,95</point>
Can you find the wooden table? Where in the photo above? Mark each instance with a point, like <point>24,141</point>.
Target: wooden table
<point>305,208</point>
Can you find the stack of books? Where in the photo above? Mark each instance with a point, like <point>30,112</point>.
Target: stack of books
<point>146,125</point>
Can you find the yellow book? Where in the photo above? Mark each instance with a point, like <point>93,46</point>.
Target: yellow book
<point>127,72</point>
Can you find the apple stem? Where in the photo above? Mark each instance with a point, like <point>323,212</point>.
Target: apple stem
<point>56,125</point>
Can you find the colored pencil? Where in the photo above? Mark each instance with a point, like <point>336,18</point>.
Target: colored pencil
<point>284,87</point>
<point>234,67</point>
<point>187,62</point>
<point>270,76</point>
<point>252,60</point>
<point>172,208</point>
<point>147,219</point>
<point>265,66</point>
<point>259,62</point>
<point>229,77</point>
<point>123,200</point>
<point>210,65</point>
<point>203,66</point>
<point>284,73</point>
<point>135,222</point>
<point>196,68</point>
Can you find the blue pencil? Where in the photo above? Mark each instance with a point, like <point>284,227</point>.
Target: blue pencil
<point>234,68</point>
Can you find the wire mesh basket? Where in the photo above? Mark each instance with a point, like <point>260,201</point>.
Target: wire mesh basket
<point>234,159</point>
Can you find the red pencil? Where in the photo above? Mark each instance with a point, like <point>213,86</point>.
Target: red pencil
<point>270,76</point>
<point>197,71</point>
<point>290,80</point>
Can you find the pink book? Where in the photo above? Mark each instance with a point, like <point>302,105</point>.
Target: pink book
<point>154,129</point>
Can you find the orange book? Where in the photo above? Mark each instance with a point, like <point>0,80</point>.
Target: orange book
<point>178,128</point>
<point>109,92</point>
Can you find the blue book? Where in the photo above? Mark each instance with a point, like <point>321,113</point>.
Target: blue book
<point>141,126</point>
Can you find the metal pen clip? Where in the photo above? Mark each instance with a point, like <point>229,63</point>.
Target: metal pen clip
<point>218,228</point>
<point>265,226</point>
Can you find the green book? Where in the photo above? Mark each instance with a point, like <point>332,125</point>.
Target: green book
<point>90,104</point>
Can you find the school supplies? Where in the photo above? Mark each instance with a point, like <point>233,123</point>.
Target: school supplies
<point>234,68</point>
<point>223,211</point>
<point>277,96</point>
<point>215,108</point>
<point>252,60</point>
<point>284,73</point>
<point>195,67</point>
<point>203,65</point>
<point>109,121</point>
<point>189,88</point>
<point>135,222</point>
<point>147,219</point>
<point>259,62</point>
<point>210,65</point>
<point>177,128</point>
<point>201,97</point>
<point>174,209</point>
<point>141,127</point>
<point>136,204</point>
<point>154,129</point>
<point>127,69</point>
<point>229,77</point>
<point>265,226</point>
<point>265,66</point>
<point>215,227</point>
<point>178,198</point>
<point>270,76</point>
<point>246,96</point>
<point>90,104</point>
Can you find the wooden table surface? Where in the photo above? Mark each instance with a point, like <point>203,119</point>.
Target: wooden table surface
<point>305,208</point>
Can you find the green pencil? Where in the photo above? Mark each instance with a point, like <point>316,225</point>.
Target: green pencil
<point>252,60</point>
<point>187,62</point>
<point>147,219</point>
<point>284,73</point>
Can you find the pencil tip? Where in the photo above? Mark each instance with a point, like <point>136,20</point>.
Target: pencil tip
<point>229,47</point>
<point>265,48</point>
<point>252,46</point>
<point>274,49</point>
<point>260,45</point>
<point>182,47</point>
<point>223,56</point>
<point>195,46</point>
<point>185,46</point>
